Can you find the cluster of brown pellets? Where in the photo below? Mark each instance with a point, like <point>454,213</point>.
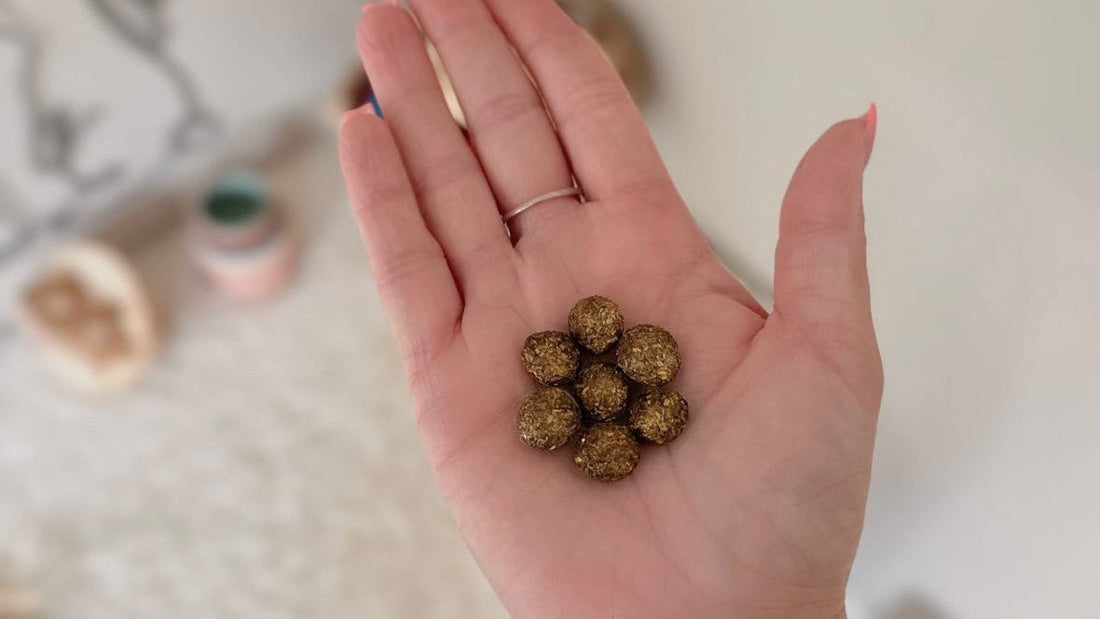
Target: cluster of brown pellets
<point>607,384</point>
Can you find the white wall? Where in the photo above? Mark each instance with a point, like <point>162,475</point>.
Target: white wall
<point>983,205</point>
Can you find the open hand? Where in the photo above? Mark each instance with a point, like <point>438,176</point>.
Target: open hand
<point>756,510</point>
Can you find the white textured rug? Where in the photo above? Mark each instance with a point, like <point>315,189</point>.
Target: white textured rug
<point>267,467</point>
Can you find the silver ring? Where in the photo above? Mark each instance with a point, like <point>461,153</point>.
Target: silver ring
<point>561,193</point>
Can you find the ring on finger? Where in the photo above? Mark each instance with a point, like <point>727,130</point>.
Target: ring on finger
<point>533,202</point>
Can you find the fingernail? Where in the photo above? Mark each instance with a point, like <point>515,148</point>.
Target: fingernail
<point>371,3</point>
<point>870,120</point>
<point>363,110</point>
<point>348,115</point>
<point>870,123</point>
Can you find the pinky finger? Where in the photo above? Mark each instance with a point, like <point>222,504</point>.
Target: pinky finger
<point>409,266</point>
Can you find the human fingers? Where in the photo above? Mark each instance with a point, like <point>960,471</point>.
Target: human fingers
<point>409,266</point>
<point>455,199</point>
<point>821,283</point>
<point>602,130</point>
<point>508,124</point>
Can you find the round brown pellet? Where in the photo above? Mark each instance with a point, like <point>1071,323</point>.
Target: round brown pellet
<point>659,416</point>
<point>608,452</point>
<point>551,357</point>
<point>548,418</point>
<point>648,355</point>
<point>596,323</point>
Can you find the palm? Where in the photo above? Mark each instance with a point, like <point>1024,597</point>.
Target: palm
<point>758,507</point>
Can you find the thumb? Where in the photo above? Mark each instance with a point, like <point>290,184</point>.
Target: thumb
<point>821,286</point>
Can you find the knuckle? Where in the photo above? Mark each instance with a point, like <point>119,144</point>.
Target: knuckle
<point>404,265</point>
<point>504,109</point>
<point>812,294</point>
<point>553,42</point>
<point>375,194</point>
<point>439,176</point>
<point>382,28</point>
<point>597,101</point>
<point>457,25</point>
<point>812,229</point>
<point>361,140</point>
<point>371,167</point>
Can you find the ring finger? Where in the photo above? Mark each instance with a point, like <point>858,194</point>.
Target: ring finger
<point>509,127</point>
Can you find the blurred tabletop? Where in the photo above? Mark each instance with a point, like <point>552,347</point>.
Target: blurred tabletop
<point>268,465</point>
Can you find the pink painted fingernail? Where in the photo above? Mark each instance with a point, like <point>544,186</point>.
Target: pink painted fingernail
<point>870,120</point>
<point>870,124</point>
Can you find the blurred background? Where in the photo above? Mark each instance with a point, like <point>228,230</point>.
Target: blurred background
<point>202,413</point>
